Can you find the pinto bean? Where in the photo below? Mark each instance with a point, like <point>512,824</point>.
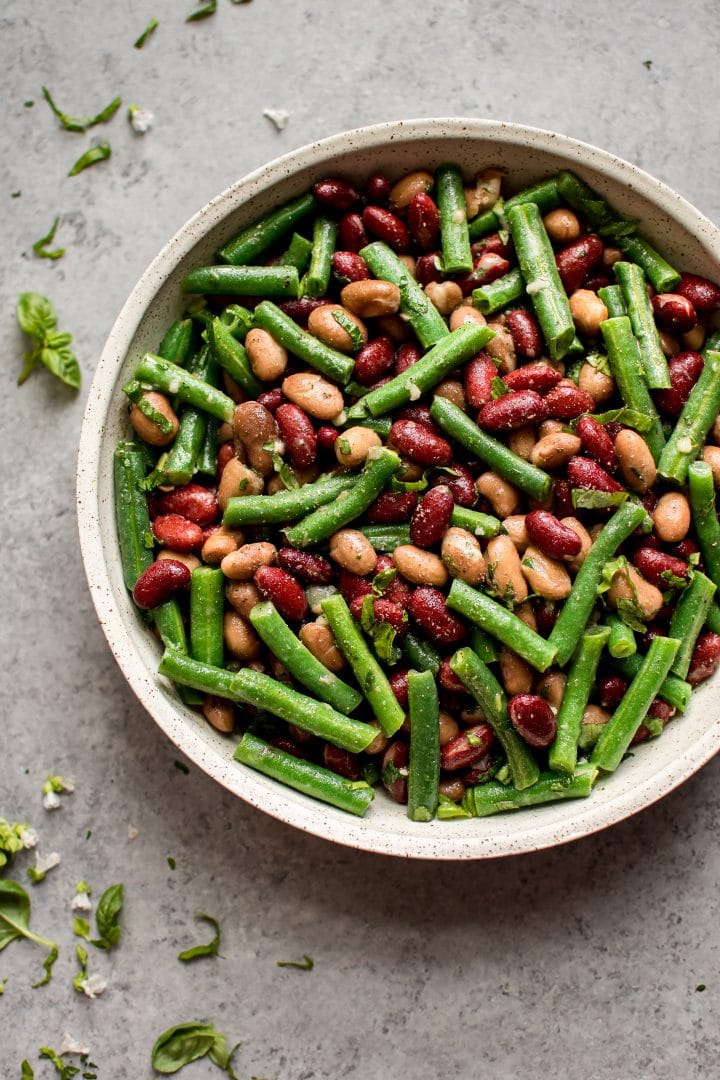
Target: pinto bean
<point>672,517</point>
<point>319,639</point>
<point>504,570</point>
<point>255,427</point>
<point>419,566</point>
<point>555,450</point>
<point>238,480</point>
<point>544,575</point>
<point>314,395</point>
<point>324,325</point>
<point>462,555</point>
<point>502,495</point>
<point>352,550</point>
<point>636,462</point>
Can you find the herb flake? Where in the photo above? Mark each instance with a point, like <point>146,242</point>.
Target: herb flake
<point>101,152</point>
<point>212,947</point>
<point>40,247</point>
<point>306,964</point>
<point>203,13</point>
<point>78,123</point>
<point>149,29</point>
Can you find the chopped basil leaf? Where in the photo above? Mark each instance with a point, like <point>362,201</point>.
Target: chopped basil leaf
<point>306,964</point>
<point>77,123</point>
<point>648,64</point>
<point>498,388</point>
<point>699,988</point>
<point>26,1070</point>
<point>171,862</point>
<point>40,246</point>
<point>101,152</point>
<point>599,361</point>
<point>381,581</point>
<point>624,415</point>
<point>107,917</point>
<point>586,499</point>
<point>82,959</point>
<point>14,838</point>
<point>212,947</point>
<point>48,965</point>
<point>203,12</point>
<point>673,581</point>
<point>187,1042</point>
<point>447,810</point>
<point>151,26</point>
<point>610,569</point>
<point>631,614</point>
<point>281,467</point>
<point>81,928</point>
<point>381,633</point>
<point>350,327</point>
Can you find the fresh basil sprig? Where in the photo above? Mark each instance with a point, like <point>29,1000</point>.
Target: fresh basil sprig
<point>40,247</point>
<point>81,123</point>
<point>101,152</point>
<point>212,947</point>
<point>187,1042</point>
<point>107,918</point>
<point>38,320</point>
<point>15,923</point>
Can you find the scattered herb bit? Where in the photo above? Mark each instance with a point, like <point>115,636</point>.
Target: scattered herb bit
<point>187,1042</point>
<point>171,862</point>
<point>151,26</point>
<point>281,467</point>
<point>28,104</point>
<point>381,633</point>
<point>202,13</point>
<point>344,321</point>
<point>610,569</point>
<point>600,362</point>
<point>38,320</point>
<point>82,959</point>
<point>90,985</point>
<point>212,947</point>
<point>40,246</point>
<point>498,388</point>
<point>699,988</point>
<point>2,985</point>
<point>26,1071</point>
<point>54,786</point>
<point>14,838</point>
<point>631,614</point>
<point>583,498</point>
<point>181,767</point>
<point>141,119</point>
<point>382,580</point>
<point>447,810</point>
<point>48,965</point>
<point>88,834</point>
<point>624,415</point>
<point>306,964</point>
<point>107,918</point>
<point>15,194</point>
<point>77,123</point>
<point>101,152</point>
<point>15,918</point>
<point>647,64</point>
<point>43,863</point>
<point>81,928</point>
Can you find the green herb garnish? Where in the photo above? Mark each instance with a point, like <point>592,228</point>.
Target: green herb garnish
<point>381,633</point>
<point>212,947</point>
<point>78,123</point>
<point>101,152</point>
<point>187,1042</point>
<point>350,327</point>
<point>306,964</point>
<point>107,918</point>
<point>149,29</point>
<point>14,838</point>
<point>202,13</point>
<point>586,499</point>
<point>40,246</point>
<point>15,922</point>
<point>498,388</point>
<point>38,320</point>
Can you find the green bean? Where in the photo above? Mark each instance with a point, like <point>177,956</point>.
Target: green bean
<point>254,688</point>
<point>500,293</point>
<point>386,538</point>
<point>285,506</point>
<point>712,618</point>
<point>496,454</point>
<point>612,298</point>
<point>501,624</point>
<point>298,253</point>
<point>576,610</point>
<point>622,639</point>
<point>695,421</point>
<point>435,366</point>
<point>491,698</point>
<point>660,273</point>
<point>483,645</point>
<point>171,628</point>
<point>675,691</point>
<point>282,281</point>
<point>207,455</point>
<point>231,356</point>
<point>544,194</point>
<point>300,662</point>
<point>688,619</point>
<point>581,197</point>
<point>317,279</point>
<point>382,425</point>
<point>542,280</point>
<point>177,343</point>
<point>478,524</point>
<point>314,352</point>
<point>420,653</point>
<point>367,671</point>
<point>181,463</point>
<point>495,798</point>
<point>254,239</point>
<point>632,282</point>
<point>415,306</point>
<point>207,603</point>
<point>327,519</point>
<point>168,377</point>
<point>456,254</point>
<point>617,734</point>
<point>424,764</point>
<point>627,369</point>
<point>304,776</point>
<point>580,680</point>
<point>133,520</point>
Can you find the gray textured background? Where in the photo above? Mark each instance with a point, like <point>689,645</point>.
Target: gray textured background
<point>579,962</point>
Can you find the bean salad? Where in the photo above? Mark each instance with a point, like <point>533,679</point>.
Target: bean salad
<point>421,491</point>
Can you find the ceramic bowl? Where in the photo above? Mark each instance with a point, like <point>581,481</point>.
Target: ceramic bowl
<point>671,223</point>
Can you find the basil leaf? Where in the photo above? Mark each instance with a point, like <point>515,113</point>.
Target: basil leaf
<point>26,1072</point>
<point>212,947</point>
<point>306,964</point>
<point>586,499</point>
<point>600,362</point>
<point>631,614</point>
<point>48,965</point>
<point>78,123</point>
<point>91,157</point>
<point>40,246</point>
<point>350,327</point>
<point>62,363</point>
<point>382,634</point>
<point>149,29</point>
<point>381,581</point>
<point>81,928</point>
<point>36,315</point>
<point>624,415</point>
<point>203,12</point>
<point>107,916</point>
<point>447,810</point>
<point>498,388</point>
<point>609,570</point>
<point>180,1045</point>
<point>15,922</point>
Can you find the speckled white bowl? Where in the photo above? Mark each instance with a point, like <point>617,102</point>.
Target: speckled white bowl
<point>680,231</point>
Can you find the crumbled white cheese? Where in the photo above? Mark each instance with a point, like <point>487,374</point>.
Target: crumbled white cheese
<point>458,216</point>
<point>29,838</point>
<point>93,986</point>
<point>373,454</point>
<point>132,832</point>
<point>340,419</point>
<point>71,1045</point>
<point>413,390</point>
<point>173,386</point>
<point>685,445</point>
<point>81,902</point>
<point>141,120</point>
<point>277,117</point>
<point>316,594</point>
<point>43,863</point>
<point>51,800</point>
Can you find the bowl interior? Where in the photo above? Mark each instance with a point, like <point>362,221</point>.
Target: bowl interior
<point>676,228</point>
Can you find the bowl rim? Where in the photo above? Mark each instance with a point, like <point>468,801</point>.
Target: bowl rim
<point>305,813</point>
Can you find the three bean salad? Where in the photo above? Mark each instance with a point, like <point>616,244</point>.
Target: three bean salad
<point>432,505</point>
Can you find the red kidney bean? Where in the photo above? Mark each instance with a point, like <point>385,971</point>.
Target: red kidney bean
<point>392,507</point>
<point>660,710</point>
<point>387,227</point>
<point>152,498</point>
<point>417,443</point>
<point>599,280</point>
<point>551,536</point>
<point>282,588</point>
<point>194,502</point>
<point>377,188</point>
<point>533,719</point>
<point>352,587</point>
<point>351,233</point>
<point>546,613</point>
<point>406,356</point>
<point>176,532</point>
<point>583,473</point>
<point>427,269</point>
<point>159,581</point>
<point>313,569</point>
<point>271,399</point>
<point>566,401</point>
<point>349,266</point>
<point>430,611</point>
<point>704,295</point>
<point>513,411</point>
<point>424,221</point>
<point>478,770</point>
<point>335,194</point>
<point>537,377</point>
<point>613,429</point>
<point>673,312</point>
<point>596,442</point>
<point>462,486</point>
<point>298,434</point>
<point>399,686</point>
<point>389,612</point>
<point>658,567</point>
<point>374,360</point>
<point>685,370</point>
<point>449,680</point>
<point>685,548</point>
<point>225,453</point>
<point>525,333</point>
<point>562,499</point>
<point>466,748</point>
<point>654,630</point>
<point>300,310</point>
<point>489,267</point>
<point>394,770</point>
<point>575,261</point>
<point>477,379</point>
<point>326,436</point>
<point>341,762</point>
<point>431,520</point>
<point>612,689</point>
<point>398,590</point>
<point>420,414</point>
<point>493,243</point>
<point>282,742</point>
<point>705,658</point>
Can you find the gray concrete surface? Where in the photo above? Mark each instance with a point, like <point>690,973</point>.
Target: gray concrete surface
<point>582,961</point>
